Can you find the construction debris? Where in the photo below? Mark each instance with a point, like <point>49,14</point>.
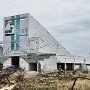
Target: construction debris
<point>8,87</point>
<point>57,80</point>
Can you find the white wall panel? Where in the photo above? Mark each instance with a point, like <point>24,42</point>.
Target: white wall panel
<point>49,64</point>
<point>24,64</point>
<point>37,30</point>
<point>7,63</point>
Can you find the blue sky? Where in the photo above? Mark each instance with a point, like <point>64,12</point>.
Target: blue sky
<point>67,20</point>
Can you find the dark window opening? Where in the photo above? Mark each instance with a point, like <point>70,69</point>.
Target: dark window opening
<point>60,66</point>
<point>33,66</point>
<point>15,61</point>
<point>70,66</point>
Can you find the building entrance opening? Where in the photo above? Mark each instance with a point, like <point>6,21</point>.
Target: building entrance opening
<point>33,66</point>
<point>15,61</point>
<point>60,66</point>
<point>70,66</point>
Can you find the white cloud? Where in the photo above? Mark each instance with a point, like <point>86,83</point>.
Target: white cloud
<point>67,20</point>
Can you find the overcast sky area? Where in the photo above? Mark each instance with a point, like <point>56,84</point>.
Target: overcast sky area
<point>67,20</point>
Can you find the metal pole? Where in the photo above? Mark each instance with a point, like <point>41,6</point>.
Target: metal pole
<point>65,64</point>
<point>74,62</point>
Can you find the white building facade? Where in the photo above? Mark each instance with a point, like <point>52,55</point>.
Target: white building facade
<point>29,45</point>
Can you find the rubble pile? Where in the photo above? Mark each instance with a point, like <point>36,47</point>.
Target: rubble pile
<point>18,79</point>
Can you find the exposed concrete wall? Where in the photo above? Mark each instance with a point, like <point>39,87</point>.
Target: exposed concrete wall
<point>23,40</point>
<point>49,42</point>
<point>6,44</point>
<point>49,64</point>
<point>88,66</point>
<point>7,63</point>
<point>24,64</point>
<point>34,45</point>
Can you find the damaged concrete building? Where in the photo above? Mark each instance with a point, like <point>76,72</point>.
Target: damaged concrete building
<point>29,45</point>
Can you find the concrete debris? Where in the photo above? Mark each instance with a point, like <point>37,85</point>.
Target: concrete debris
<point>23,80</point>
